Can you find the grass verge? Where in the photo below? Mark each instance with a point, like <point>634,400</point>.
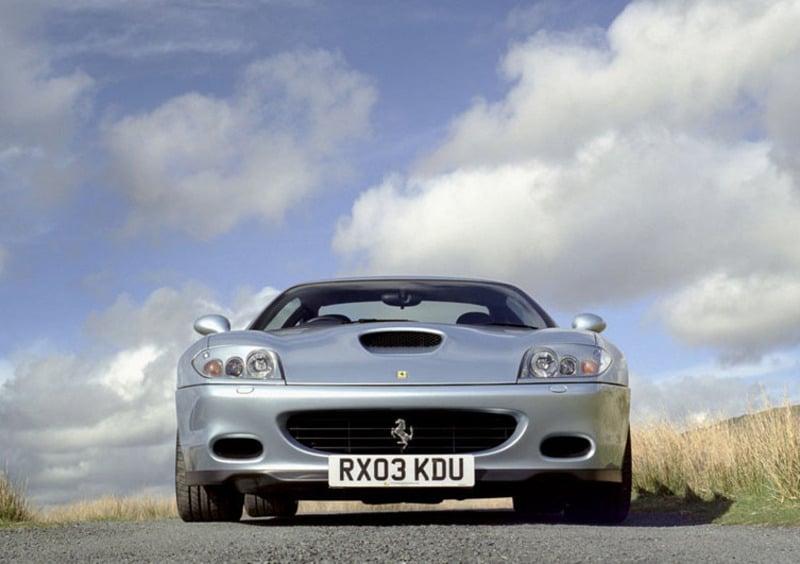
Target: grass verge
<point>113,508</point>
<point>744,470</point>
<point>720,510</point>
<point>756,456</point>
<point>14,506</point>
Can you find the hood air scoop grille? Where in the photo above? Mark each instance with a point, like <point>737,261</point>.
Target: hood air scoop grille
<point>400,342</point>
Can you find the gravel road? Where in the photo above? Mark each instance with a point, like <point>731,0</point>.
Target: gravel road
<point>430,536</point>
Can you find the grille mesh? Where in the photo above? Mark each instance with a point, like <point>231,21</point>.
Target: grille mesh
<point>370,432</point>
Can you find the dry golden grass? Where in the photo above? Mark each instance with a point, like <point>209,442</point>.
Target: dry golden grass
<point>755,456</point>
<point>14,506</point>
<point>113,508</point>
<point>137,508</point>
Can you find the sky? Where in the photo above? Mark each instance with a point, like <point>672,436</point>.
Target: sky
<point>160,160</point>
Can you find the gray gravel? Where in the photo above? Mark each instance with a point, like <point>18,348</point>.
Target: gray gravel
<point>441,536</point>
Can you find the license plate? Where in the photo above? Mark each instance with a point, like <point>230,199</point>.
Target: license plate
<point>401,471</point>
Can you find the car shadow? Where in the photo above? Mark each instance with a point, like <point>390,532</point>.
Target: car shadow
<point>689,506</point>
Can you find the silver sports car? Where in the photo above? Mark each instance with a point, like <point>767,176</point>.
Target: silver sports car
<point>402,389</point>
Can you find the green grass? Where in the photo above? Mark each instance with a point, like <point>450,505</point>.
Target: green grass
<point>720,510</point>
<point>753,511</point>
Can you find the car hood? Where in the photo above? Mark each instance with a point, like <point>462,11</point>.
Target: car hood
<point>401,354</point>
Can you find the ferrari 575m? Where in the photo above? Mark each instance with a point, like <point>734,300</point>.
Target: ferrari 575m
<point>391,390</point>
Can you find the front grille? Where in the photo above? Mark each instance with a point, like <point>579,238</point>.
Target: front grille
<point>370,432</point>
<point>385,341</point>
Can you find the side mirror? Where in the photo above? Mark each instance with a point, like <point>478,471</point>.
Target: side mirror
<point>589,322</point>
<point>210,324</point>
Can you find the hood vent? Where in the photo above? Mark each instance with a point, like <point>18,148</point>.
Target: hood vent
<point>398,342</point>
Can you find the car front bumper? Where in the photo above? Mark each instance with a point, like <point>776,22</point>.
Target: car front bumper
<point>596,412</point>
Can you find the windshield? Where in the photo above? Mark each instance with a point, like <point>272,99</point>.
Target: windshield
<point>427,301</point>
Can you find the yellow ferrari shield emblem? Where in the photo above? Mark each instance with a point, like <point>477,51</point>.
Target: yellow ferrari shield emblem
<point>402,374</point>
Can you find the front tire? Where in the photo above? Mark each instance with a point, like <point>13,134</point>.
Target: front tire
<point>604,503</point>
<point>258,506</point>
<point>204,503</point>
<point>537,503</point>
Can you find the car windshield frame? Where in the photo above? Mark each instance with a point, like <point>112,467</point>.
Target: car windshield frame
<point>504,304</point>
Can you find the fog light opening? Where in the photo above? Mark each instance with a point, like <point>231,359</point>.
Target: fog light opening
<point>566,447</point>
<point>238,449</point>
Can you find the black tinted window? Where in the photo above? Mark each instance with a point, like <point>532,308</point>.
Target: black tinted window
<point>429,301</point>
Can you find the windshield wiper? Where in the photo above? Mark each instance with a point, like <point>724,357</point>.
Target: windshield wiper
<point>517,325</point>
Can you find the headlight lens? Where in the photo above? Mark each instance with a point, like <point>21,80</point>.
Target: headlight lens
<point>544,363</point>
<point>565,361</point>
<point>238,362</point>
<point>234,367</point>
<point>260,364</point>
<point>568,366</point>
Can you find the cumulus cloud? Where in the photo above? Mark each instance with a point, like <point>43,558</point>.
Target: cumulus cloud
<point>642,161</point>
<point>679,64</point>
<point>203,164</point>
<point>82,425</point>
<point>741,315</point>
<point>781,118</point>
<point>38,116</point>
<point>625,217</point>
<point>39,104</point>
<point>6,371</point>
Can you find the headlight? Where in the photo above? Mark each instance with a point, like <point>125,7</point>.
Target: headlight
<point>544,363</point>
<point>232,362</point>
<point>564,361</point>
<point>234,367</point>
<point>260,364</point>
